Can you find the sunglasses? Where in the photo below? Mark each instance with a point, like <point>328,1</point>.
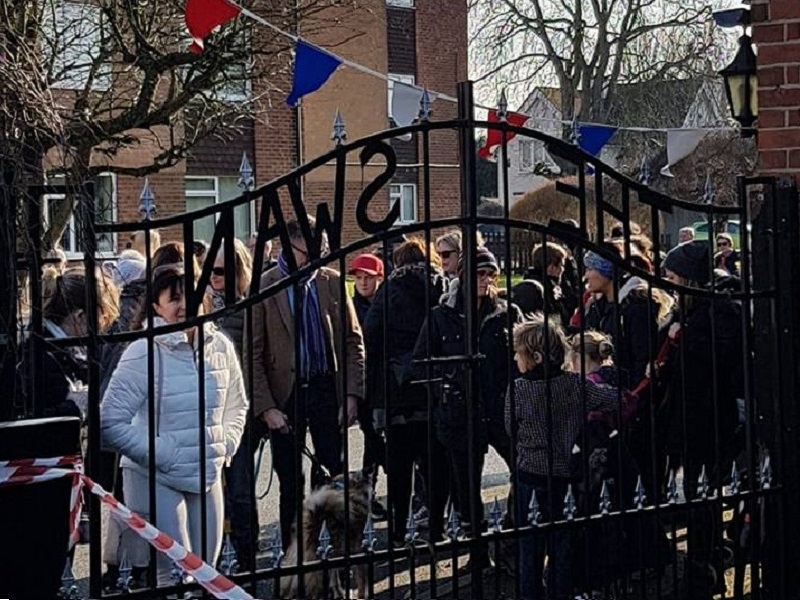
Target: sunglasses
<point>447,253</point>
<point>487,274</point>
<point>218,271</point>
<point>723,243</point>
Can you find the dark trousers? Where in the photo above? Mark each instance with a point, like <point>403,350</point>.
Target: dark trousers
<point>409,446</point>
<point>374,444</point>
<point>314,407</point>
<point>240,492</point>
<point>533,543</point>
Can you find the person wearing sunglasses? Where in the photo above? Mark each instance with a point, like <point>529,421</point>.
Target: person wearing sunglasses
<point>727,257</point>
<point>448,339</point>
<point>448,247</point>
<point>314,320</point>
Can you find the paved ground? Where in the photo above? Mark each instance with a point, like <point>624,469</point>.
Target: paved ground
<point>495,484</point>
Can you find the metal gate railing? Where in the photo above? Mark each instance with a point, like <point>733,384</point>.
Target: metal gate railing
<point>677,481</point>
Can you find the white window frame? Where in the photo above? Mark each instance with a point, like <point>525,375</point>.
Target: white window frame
<point>398,196</point>
<point>74,252</point>
<point>538,152</point>
<point>205,194</point>
<point>73,12</point>
<point>392,77</point>
<point>401,3</point>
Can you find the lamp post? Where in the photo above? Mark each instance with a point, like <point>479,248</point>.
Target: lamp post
<point>741,76</point>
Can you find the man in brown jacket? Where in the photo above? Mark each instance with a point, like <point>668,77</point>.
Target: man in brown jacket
<point>313,321</point>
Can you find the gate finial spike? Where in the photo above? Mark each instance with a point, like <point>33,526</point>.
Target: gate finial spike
<point>411,528</point>
<point>575,132</point>
<point>765,473</point>
<point>570,506</point>
<point>644,172</point>
<point>228,564</point>
<point>275,548</point>
<point>124,581</point>
<point>68,589</point>
<point>324,548</point>
<point>369,539</point>
<point>176,574</point>
<point>735,485</point>
<point>702,483</point>
<point>605,499</point>
<point>496,516</point>
<point>672,488</point>
<point>425,105</point>
<point>709,194</point>
<point>246,179</point>
<point>640,497</point>
<point>453,525</point>
<point>147,203</point>
<point>534,514</point>
<point>502,107</point>
<point>339,134</point>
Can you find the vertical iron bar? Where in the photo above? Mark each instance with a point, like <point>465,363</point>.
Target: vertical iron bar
<point>469,204</point>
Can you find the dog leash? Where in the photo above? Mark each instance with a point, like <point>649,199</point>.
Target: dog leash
<point>318,470</point>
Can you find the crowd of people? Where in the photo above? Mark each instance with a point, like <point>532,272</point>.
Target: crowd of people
<point>585,347</point>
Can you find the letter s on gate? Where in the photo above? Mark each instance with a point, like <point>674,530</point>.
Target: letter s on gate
<point>366,224</point>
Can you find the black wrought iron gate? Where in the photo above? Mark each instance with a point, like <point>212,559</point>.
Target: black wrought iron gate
<point>686,488</point>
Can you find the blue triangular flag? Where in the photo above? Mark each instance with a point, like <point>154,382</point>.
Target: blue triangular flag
<point>595,137</point>
<point>312,68</point>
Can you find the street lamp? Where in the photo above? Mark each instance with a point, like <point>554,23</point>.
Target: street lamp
<point>741,85</point>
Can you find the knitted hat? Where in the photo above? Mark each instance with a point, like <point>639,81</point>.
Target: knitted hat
<point>528,295</point>
<point>484,259</point>
<point>125,270</point>
<point>369,263</point>
<point>595,262</point>
<point>690,260</point>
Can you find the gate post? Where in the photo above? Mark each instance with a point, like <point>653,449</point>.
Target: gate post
<point>787,281</point>
<point>469,288</point>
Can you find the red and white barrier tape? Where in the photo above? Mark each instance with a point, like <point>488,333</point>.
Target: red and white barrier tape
<point>28,471</point>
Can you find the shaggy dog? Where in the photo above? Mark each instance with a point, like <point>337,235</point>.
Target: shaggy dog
<point>326,505</point>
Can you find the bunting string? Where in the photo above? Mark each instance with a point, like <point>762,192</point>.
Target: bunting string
<point>315,65</point>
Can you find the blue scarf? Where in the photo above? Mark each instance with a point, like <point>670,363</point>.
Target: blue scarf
<point>313,345</point>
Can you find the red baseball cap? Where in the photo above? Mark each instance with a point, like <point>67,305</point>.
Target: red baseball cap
<point>369,263</point>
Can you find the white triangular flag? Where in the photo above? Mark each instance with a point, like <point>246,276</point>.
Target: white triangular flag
<point>680,144</point>
<point>405,103</point>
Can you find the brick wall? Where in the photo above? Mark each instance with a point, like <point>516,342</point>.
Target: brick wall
<point>441,30</point>
<point>776,34</point>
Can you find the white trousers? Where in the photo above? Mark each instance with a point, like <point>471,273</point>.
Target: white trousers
<point>179,515</point>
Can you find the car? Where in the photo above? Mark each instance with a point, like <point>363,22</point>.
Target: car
<point>733,228</point>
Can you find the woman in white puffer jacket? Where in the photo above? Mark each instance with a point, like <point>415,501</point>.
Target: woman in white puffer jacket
<point>124,422</point>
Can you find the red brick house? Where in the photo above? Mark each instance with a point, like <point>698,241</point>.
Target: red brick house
<point>418,41</point>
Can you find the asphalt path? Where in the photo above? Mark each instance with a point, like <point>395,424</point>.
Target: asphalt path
<point>494,484</point>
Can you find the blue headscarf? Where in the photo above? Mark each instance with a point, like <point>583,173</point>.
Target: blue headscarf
<point>592,260</point>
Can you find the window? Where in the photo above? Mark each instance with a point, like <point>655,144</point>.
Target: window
<point>207,191</point>
<point>406,195</point>
<point>401,3</point>
<point>105,196</point>
<point>532,153</point>
<point>409,79</point>
<point>72,42</point>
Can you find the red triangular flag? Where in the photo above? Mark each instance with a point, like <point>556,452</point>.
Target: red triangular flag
<point>494,137</point>
<point>203,16</point>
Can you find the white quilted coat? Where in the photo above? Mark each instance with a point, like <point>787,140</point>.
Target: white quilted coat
<point>124,410</point>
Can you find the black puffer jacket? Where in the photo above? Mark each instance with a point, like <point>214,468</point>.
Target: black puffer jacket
<point>448,338</point>
<point>636,338</point>
<point>556,304</point>
<point>690,377</point>
<point>130,301</point>
<point>405,296</point>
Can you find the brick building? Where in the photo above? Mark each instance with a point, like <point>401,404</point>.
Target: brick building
<point>776,34</point>
<point>416,41</point>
